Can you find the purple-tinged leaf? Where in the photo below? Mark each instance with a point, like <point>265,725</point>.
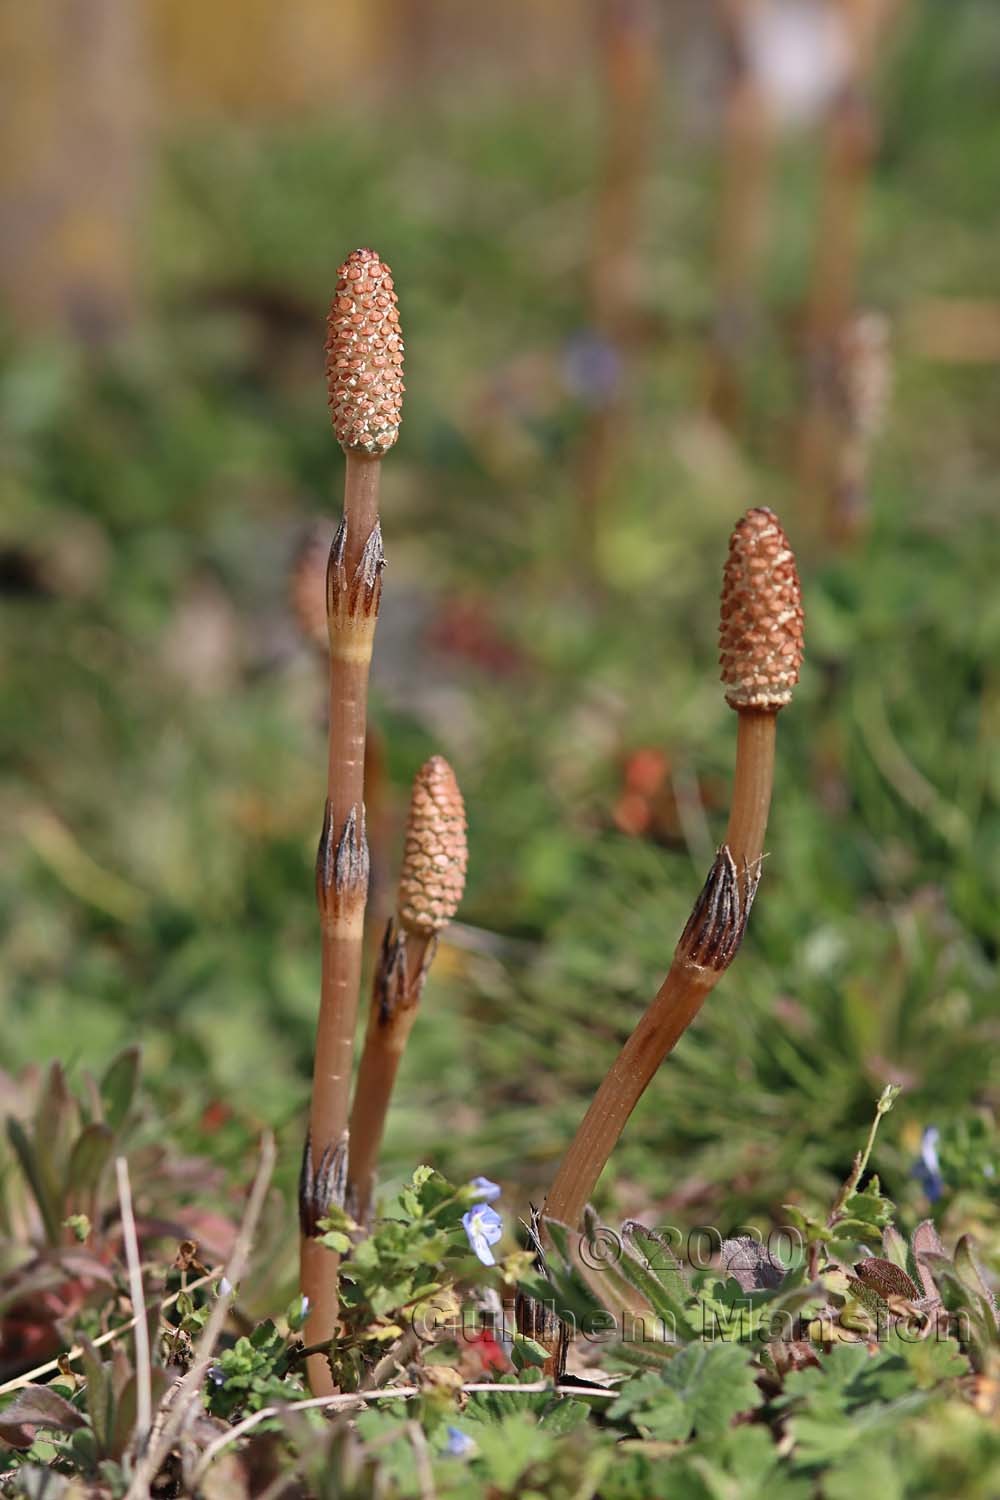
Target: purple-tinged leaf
<point>886,1278</point>
<point>926,1241</point>
<point>36,1178</point>
<point>41,1406</point>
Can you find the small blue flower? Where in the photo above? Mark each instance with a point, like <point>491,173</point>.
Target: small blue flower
<point>484,1227</point>
<point>592,368</point>
<point>459,1443</point>
<point>927,1170</point>
<point>485,1190</point>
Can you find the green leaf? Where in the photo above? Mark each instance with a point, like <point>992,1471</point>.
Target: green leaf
<point>895,1248</point>
<point>509,1449</point>
<point>851,1397</point>
<point>716,1382</point>
<point>814,1230</point>
<point>655,1272</point>
<point>500,1400</point>
<point>745,1464</point>
<point>657,1410</point>
<point>100,1396</point>
<point>36,1178</point>
<point>560,1236</point>
<point>929,1360</point>
<point>975,1312</point>
<point>334,1240</point>
<point>79,1225</point>
<point>88,1158</point>
<point>700,1390</point>
<point>296,1314</point>
<point>526,1353</point>
<point>562,1416</point>
<point>55,1115</point>
<point>968,1267</point>
<point>872,1469</point>
<point>118,1086</point>
<point>41,1406</point>
<point>123,1427</point>
<point>865,1214</point>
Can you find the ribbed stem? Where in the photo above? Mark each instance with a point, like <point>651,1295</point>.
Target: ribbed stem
<point>396,995</point>
<point>431,881</point>
<point>703,954</point>
<point>745,152</point>
<point>753,779</point>
<point>676,1004</point>
<point>848,153</point>
<point>628,54</point>
<point>353,586</point>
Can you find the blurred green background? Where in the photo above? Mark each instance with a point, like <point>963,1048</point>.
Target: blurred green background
<point>607,225</point>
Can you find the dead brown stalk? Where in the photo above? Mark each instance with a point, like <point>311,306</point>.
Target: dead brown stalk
<point>629,47</point>
<point>747,142</point>
<point>849,150</point>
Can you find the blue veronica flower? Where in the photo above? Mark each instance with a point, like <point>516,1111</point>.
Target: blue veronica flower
<point>483,1226</point>
<point>459,1443</point>
<point>486,1191</point>
<point>927,1169</point>
<point>592,367</point>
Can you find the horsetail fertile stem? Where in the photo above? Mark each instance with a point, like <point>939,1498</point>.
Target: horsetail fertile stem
<point>364,366</point>
<point>629,52</point>
<point>761,649</point>
<point>307,588</point>
<point>431,883</point>
<point>747,149</point>
<point>863,380</point>
<point>849,152</point>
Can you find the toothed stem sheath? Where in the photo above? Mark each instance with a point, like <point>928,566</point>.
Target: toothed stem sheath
<point>431,883</point>
<point>364,370</point>
<point>761,649</point>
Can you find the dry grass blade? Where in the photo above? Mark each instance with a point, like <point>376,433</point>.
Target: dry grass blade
<point>143,1372</point>
<point>422,1460</point>
<point>177,1403</point>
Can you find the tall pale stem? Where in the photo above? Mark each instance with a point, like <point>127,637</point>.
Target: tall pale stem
<point>353,586</point>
